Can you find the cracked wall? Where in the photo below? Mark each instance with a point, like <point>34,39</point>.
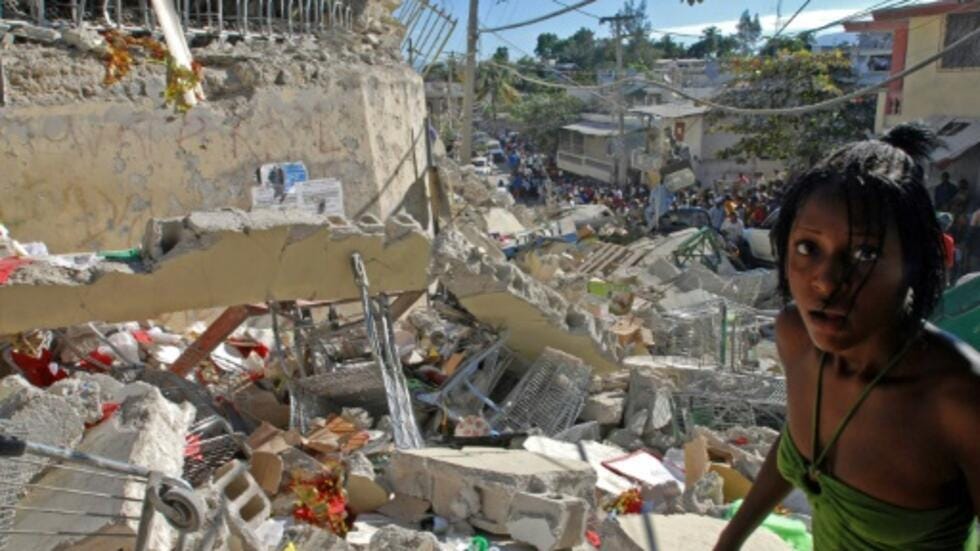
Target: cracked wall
<point>86,166</point>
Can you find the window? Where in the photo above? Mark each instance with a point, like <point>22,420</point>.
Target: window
<point>679,128</point>
<point>879,63</point>
<point>966,55</point>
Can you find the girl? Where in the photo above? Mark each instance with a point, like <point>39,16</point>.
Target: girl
<point>883,409</point>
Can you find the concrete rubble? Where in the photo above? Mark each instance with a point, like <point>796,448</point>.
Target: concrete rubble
<point>574,382</point>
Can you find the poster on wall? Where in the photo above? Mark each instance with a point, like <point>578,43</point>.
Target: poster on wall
<point>323,196</point>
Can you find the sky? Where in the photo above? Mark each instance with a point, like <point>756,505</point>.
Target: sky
<point>675,16</point>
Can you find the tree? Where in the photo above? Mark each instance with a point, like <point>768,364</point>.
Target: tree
<point>747,32</point>
<point>798,43</point>
<point>545,114</point>
<point>580,49</point>
<point>502,55</point>
<point>496,85</point>
<point>712,44</point>
<point>638,27</point>
<point>791,79</point>
<point>668,48</point>
<point>548,46</point>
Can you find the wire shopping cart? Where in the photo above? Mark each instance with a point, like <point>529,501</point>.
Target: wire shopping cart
<point>20,458</point>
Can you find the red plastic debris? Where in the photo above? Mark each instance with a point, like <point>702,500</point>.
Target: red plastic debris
<point>101,357</point>
<point>9,265</point>
<point>39,371</point>
<point>108,409</point>
<point>142,337</point>
<point>593,538</point>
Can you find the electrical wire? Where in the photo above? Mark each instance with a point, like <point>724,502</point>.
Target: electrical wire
<point>798,110</point>
<point>792,17</point>
<point>545,17</point>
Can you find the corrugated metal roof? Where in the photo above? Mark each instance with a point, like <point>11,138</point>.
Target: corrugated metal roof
<point>958,133</point>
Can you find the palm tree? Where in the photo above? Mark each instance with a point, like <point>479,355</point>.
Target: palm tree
<point>496,84</point>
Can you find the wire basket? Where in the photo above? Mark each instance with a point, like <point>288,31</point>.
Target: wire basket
<point>550,396</point>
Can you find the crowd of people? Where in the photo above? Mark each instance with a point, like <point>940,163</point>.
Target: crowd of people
<point>959,217</point>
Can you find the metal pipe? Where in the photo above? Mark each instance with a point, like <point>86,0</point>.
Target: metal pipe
<point>423,46</point>
<point>68,512</point>
<point>442,46</point>
<point>45,450</point>
<point>426,21</point>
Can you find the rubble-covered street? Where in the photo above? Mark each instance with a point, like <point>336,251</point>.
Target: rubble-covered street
<point>277,312</point>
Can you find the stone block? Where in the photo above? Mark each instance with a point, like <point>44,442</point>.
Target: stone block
<point>396,537</point>
<point>147,430</point>
<point>651,532</point>
<point>605,408</point>
<point>245,505</point>
<point>406,508</point>
<point>47,417</point>
<point>480,483</point>
<point>306,537</point>
<point>547,521</point>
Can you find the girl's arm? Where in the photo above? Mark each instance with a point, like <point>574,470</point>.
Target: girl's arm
<point>768,490</point>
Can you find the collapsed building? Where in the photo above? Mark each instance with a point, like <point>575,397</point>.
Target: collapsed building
<point>423,365</point>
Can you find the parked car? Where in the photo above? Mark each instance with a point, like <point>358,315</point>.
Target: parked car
<point>755,247</point>
<point>588,215</point>
<point>481,165</point>
<point>497,156</point>
<point>683,218</point>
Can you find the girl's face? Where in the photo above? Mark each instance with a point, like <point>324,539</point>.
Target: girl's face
<point>845,292</point>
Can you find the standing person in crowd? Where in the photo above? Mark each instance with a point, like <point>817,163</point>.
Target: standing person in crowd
<point>882,409</point>
<point>717,214</point>
<point>733,227</point>
<point>944,192</point>
<point>949,245</point>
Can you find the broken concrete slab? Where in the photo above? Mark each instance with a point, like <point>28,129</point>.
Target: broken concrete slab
<point>396,537</point>
<point>592,453</point>
<point>548,521</point>
<point>147,430</point>
<point>651,532</point>
<point>475,484</point>
<point>605,408</point>
<point>405,508</point>
<point>47,417</point>
<point>535,316</point>
<point>219,258</point>
<point>306,537</point>
<point>363,491</point>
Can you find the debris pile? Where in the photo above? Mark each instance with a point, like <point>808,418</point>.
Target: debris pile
<point>511,381</point>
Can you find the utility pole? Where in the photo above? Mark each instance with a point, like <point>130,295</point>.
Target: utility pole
<point>621,99</point>
<point>469,83</point>
<point>450,98</point>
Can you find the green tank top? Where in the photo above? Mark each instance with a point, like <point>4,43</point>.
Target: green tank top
<point>848,519</point>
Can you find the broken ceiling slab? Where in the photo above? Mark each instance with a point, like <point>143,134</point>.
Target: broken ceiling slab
<point>220,258</point>
<point>479,484</point>
<point>534,316</point>
<point>689,532</point>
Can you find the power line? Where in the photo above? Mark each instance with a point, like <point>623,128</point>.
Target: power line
<point>558,73</point>
<point>539,19</point>
<point>799,110</point>
<point>792,17</point>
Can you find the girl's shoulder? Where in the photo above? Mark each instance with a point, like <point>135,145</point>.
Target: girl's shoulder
<point>792,340</point>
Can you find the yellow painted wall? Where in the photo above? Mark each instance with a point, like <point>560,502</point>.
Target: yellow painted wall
<point>934,90</point>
